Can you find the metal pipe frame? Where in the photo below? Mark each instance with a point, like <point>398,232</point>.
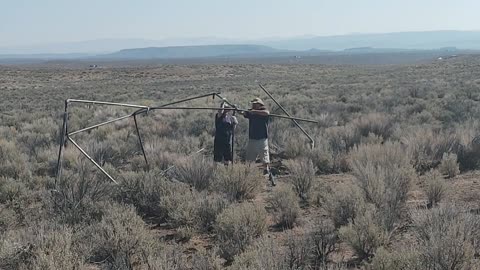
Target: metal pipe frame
<point>100,124</point>
<point>232,109</point>
<point>94,102</point>
<point>146,110</point>
<point>62,144</point>
<point>92,160</point>
<point>65,136</point>
<point>312,141</point>
<point>224,99</point>
<point>142,109</point>
<point>140,140</point>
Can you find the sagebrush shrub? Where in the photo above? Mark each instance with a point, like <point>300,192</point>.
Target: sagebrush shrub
<point>238,182</point>
<point>435,188</point>
<point>397,260</point>
<point>449,165</point>
<point>340,140</point>
<point>323,237</point>
<point>344,203</point>
<point>77,195</point>
<point>385,174</point>
<point>37,135</point>
<point>237,226</point>
<point>197,172</point>
<point>144,190</point>
<point>12,163</point>
<point>447,237</point>
<point>469,158</point>
<point>185,233</point>
<point>265,253</point>
<point>206,260</point>
<point>164,160</point>
<point>302,176</point>
<point>209,207</point>
<point>122,240</point>
<point>179,204</point>
<point>11,189</point>
<point>43,246</point>
<point>285,207</point>
<point>8,219</point>
<point>365,235</point>
<point>298,251</point>
<point>374,123</point>
<point>291,146</point>
<point>426,147</point>
<point>322,157</point>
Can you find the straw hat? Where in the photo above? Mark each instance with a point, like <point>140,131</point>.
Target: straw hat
<point>257,101</point>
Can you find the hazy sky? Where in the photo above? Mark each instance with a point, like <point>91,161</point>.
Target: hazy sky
<point>26,22</point>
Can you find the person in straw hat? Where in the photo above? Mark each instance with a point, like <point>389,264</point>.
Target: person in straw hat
<point>258,118</point>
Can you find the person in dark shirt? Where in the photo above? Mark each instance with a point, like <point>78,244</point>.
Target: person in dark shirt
<point>225,124</point>
<point>258,118</point>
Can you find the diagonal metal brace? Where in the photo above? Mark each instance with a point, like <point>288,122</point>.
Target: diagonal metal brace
<point>92,160</point>
<point>312,142</point>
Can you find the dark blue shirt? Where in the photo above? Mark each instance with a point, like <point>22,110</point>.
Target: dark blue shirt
<point>257,126</point>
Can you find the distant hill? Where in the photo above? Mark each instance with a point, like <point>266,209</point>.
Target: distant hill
<point>101,46</point>
<point>45,56</point>
<point>403,40</point>
<point>179,52</point>
<point>429,40</point>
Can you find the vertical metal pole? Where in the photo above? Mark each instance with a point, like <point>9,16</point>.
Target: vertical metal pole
<point>140,140</point>
<point>233,142</point>
<point>312,142</point>
<point>62,144</point>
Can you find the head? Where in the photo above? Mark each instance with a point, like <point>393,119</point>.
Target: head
<point>258,104</point>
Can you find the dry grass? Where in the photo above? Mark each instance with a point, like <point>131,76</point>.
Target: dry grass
<point>238,226</point>
<point>379,124</point>
<point>239,182</point>
<point>285,207</point>
<point>302,176</point>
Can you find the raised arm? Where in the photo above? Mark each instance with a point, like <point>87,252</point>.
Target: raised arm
<point>220,112</point>
<point>260,112</point>
<point>235,122</point>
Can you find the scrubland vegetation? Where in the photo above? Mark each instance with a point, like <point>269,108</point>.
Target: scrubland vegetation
<point>392,183</point>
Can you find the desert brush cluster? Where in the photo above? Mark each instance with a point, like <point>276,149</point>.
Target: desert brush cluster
<point>392,183</point>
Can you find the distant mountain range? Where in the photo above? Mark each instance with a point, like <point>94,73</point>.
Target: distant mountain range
<point>209,46</point>
<point>179,52</point>
<point>404,40</point>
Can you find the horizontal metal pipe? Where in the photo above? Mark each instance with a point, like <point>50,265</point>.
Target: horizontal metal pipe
<point>92,160</point>
<point>144,109</point>
<point>176,102</point>
<point>230,109</point>
<point>106,103</point>
<point>99,125</point>
<point>294,118</point>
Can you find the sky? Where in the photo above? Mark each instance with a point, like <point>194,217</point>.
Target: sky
<point>29,22</point>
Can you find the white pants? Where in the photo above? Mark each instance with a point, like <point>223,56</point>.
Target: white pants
<point>256,148</point>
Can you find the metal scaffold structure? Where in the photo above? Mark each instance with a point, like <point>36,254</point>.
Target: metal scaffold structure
<point>66,136</point>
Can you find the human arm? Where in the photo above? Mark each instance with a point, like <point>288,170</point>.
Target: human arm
<point>260,112</point>
<point>234,122</point>
<point>221,111</point>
